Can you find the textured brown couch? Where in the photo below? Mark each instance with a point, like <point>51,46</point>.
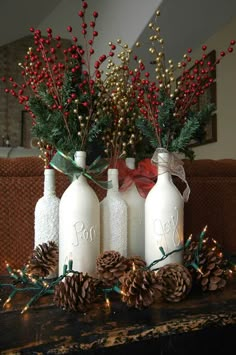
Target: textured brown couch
<point>212,202</point>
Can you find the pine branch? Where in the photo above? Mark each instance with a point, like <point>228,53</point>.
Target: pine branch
<point>148,131</point>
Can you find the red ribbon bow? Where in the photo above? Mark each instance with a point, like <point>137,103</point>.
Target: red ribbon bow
<point>144,176</point>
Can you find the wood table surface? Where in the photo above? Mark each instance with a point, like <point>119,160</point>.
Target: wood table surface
<point>46,329</point>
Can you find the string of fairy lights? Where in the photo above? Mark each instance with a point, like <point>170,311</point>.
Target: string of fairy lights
<point>24,281</point>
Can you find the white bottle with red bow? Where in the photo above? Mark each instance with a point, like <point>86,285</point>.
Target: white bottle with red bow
<point>135,222</point>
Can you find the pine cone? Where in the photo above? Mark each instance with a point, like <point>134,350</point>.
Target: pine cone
<point>136,262</point>
<point>75,292</point>
<point>44,259</point>
<point>110,266</point>
<point>213,270</point>
<point>176,282</point>
<point>139,288</point>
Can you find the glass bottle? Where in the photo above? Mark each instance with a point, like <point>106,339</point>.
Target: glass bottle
<point>79,224</point>
<point>114,217</point>
<point>164,212</point>
<point>135,203</point>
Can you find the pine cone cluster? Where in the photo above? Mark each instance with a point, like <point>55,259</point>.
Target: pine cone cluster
<point>110,266</point>
<point>75,292</point>
<point>139,288</point>
<point>213,270</point>
<point>44,259</point>
<point>176,282</point>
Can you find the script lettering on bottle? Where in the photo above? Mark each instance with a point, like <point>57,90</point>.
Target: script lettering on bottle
<point>166,231</point>
<point>83,234</point>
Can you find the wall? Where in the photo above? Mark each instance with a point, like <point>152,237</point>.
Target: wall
<point>225,147</point>
<point>10,111</point>
<point>117,19</point>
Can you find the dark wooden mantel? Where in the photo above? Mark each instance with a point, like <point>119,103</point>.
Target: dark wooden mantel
<point>202,321</point>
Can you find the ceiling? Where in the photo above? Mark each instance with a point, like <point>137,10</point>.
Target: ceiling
<point>184,23</point>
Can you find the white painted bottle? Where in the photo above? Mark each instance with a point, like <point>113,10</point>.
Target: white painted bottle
<point>164,211</point>
<point>114,218</point>
<point>46,214</point>
<point>135,203</point>
<point>79,224</point>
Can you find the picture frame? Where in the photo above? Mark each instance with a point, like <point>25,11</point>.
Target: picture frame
<point>26,125</point>
<point>209,96</point>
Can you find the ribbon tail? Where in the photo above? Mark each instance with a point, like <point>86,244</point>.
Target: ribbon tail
<point>103,184</point>
<point>98,165</point>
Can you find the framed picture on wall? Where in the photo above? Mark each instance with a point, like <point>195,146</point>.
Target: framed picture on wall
<point>209,96</point>
<point>26,125</point>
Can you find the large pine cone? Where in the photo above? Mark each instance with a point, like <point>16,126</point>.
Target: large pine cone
<point>136,262</point>
<point>176,282</point>
<point>75,292</point>
<point>44,259</point>
<point>213,272</point>
<point>110,266</point>
<point>139,288</point>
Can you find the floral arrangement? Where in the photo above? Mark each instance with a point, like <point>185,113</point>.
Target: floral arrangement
<point>59,89</point>
<point>74,103</point>
<point>118,105</point>
<point>168,115</point>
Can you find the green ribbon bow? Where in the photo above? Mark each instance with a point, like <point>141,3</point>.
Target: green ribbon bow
<point>68,166</point>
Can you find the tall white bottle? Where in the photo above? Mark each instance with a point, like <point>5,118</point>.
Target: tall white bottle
<point>79,224</point>
<point>164,210</point>
<point>135,203</point>
<point>114,218</point>
<point>46,217</point>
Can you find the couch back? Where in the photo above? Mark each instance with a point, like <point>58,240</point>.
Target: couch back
<point>212,201</point>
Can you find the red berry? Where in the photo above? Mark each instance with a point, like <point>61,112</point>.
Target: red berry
<point>232,42</point>
<point>75,39</point>
<point>90,42</point>
<point>91,51</point>
<point>84,32</point>
<point>95,33</point>
<point>95,14</point>
<point>84,25</point>
<point>222,53</point>
<point>204,47</point>
<point>81,13</point>
<point>96,65</point>
<point>84,4</point>
<point>189,50</point>
<point>69,28</point>
<point>230,49</point>
<point>49,30</point>
<point>31,29</point>
<point>92,24</point>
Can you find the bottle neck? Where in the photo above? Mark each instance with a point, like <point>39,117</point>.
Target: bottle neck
<point>113,177</point>
<point>80,159</point>
<point>49,182</point>
<point>130,163</point>
<point>163,166</point>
